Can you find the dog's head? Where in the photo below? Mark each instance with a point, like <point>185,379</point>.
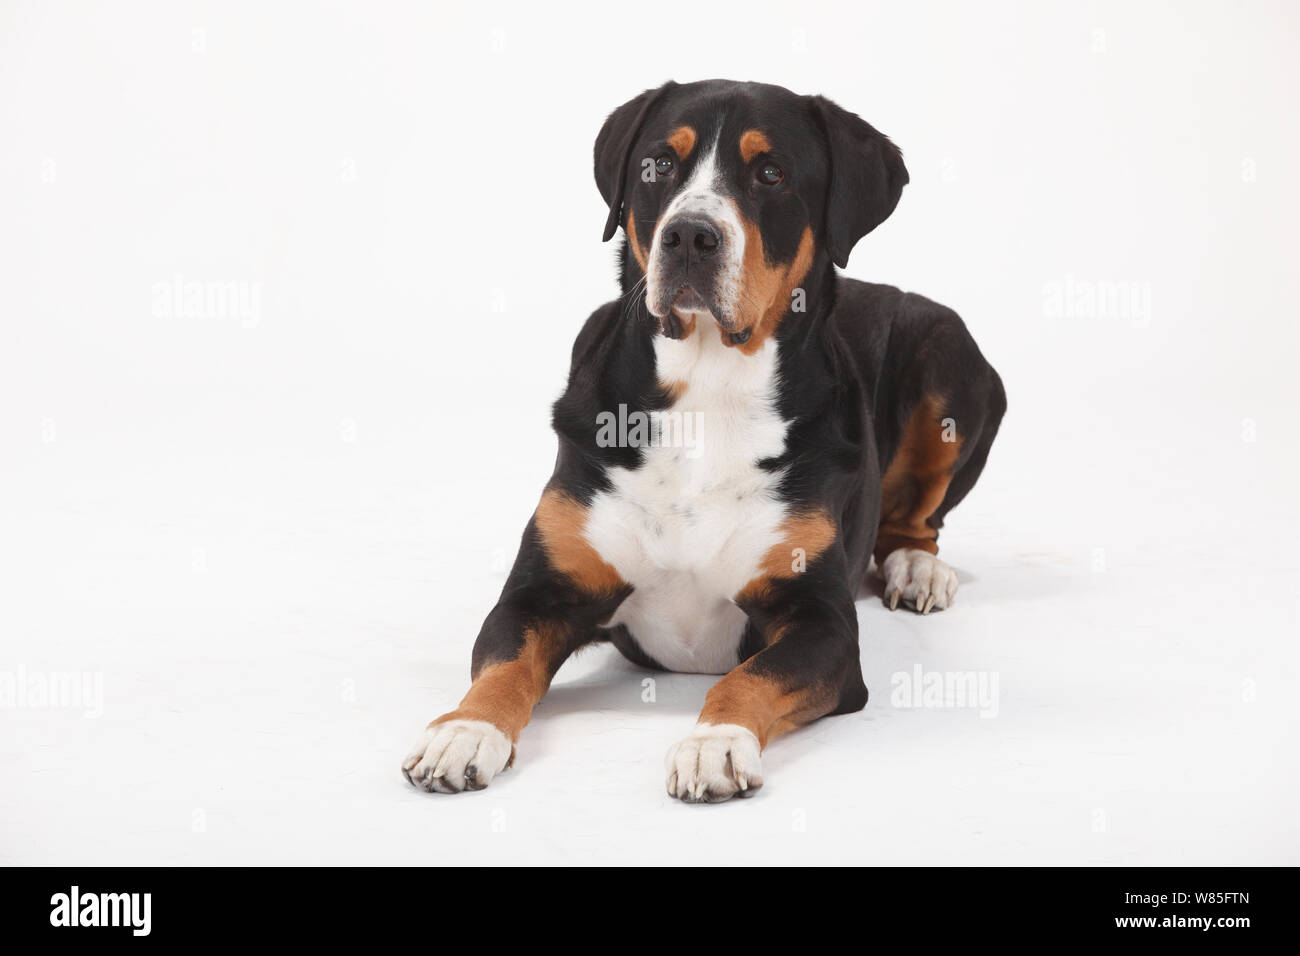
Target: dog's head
<point>730,192</point>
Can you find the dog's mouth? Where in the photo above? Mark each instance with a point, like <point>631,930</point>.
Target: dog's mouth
<point>683,298</point>
<point>688,299</point>
<point>688,302</point>
<point>678,312</point>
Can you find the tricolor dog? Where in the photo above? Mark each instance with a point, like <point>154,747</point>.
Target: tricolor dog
<point>832,420</point>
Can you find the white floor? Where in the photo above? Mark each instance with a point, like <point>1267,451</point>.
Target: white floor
<point>272,635</point>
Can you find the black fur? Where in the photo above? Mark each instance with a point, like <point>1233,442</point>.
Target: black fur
<point>854,365</point>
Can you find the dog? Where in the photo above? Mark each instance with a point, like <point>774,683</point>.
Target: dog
<point>837,420</point>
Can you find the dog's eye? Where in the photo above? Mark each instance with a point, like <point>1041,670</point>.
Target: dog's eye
<point>769,174</point>
<point>664,165</point>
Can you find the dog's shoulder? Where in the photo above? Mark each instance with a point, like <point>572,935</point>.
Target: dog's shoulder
<point>870,309</point>
<point>596,337</point>
<point>612,364</point>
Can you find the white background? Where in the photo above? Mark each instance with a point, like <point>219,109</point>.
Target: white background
<point>275,537</point>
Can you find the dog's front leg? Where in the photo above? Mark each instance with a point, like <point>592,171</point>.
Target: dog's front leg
<point>809,668</point>
<point>553,602</point>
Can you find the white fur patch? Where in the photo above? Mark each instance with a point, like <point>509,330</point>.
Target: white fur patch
<point>689,528</point>
<point>457,755</point>
<point>715,763</point>
<point>702,195</point>
<point>918,578</point>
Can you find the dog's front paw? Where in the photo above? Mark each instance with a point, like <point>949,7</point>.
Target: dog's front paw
<point>715,763</point>
<point>457,755</point>
<point>918,578</point>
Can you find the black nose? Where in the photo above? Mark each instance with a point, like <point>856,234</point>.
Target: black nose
<point>698,235</point>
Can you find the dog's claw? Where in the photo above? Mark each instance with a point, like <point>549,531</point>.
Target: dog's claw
<point>456,755</point>
<point>714,764</point>
<point>919,580</point>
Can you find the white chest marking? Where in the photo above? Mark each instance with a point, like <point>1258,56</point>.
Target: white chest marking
<point>689,528</point>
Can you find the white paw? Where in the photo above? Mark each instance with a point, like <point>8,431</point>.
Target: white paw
<point>715,763</point>
<point>457,755</point>
<point>919,579</point>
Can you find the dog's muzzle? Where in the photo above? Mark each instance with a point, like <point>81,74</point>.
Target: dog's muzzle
<point>685,266</point>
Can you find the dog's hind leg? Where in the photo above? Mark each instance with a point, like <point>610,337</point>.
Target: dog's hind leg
<point>941,453</point>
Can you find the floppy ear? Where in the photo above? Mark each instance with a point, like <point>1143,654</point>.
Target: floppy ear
<point>867,177</point>
<point>613,145</point>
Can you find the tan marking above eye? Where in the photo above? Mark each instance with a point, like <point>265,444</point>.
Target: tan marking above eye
<point>752,143</point>
<point>682,140</point>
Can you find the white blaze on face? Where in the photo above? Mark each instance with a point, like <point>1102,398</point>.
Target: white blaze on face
<point>702,196</point>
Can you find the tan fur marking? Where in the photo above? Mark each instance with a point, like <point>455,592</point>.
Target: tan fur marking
<point>914,484</point>
<point>811,532</point>
<point>682,140</point>
<point>673,390</point>
<point>763,706</point>
<point>766,290</point>
<point>752,143</point>
<point>637,252</point>
<point>504,694</point>
<point>561,522</point>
